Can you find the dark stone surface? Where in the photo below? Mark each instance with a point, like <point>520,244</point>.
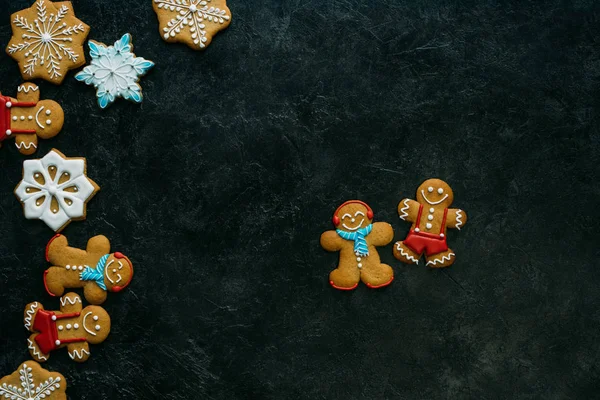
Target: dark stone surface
<point>219,185</point>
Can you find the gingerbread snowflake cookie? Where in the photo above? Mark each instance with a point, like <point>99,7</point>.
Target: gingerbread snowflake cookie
<point>55,189</point>
<point>356,237</point>
<point>32,382</point>
<point>193,22</point>
<point>28,118</point>
<point>73,327</point>
<point>431,217</point>
<point>115,71</point>
<point>47,40</point>
<point>95,269</point>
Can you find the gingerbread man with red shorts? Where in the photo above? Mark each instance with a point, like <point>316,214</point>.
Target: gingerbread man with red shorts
<point>27,117</point>
<point>431,217</point>
<point>73,327</point>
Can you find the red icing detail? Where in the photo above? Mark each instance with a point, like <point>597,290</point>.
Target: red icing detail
<point>343,288</point>
<point>46,284</point>
<point>336,219</point>
<point>48,246</point>
<point>117,289</point>
<point>5,116</point>
<point>48,333</point>
<point>382,285</point>
<point>423,241</point>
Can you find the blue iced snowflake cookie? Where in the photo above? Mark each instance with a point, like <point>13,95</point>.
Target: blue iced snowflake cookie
<point>115,71</point>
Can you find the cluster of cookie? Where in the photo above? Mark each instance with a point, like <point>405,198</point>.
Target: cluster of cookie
<point>357,236</point>
<point>47,42</point>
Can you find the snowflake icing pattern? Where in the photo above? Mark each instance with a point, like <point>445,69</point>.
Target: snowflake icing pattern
<point>191,14</point>
<point>28,389</point>
<point>115,71</point>
<point>47,40</point>
<point>55,189</point>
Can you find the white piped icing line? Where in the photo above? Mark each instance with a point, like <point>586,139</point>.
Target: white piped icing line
<point>441,260</point>
<point>404,210</point>
<point>35,351</point>
<point>36,117</point>
<point>25,145</point>
<point>433,203</point>
<point>66,299</point>
<point>29,313</point>
<point>406,255</point>
<point>458,219</point>
<point>27,89</point>
<point>79,354</point>
<point>85,327</point>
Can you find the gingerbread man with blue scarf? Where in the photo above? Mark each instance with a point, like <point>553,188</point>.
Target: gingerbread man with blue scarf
<point>95,269</point>
<point>356,237</point>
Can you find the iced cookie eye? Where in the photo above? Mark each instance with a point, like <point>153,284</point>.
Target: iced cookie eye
<point>440,190</point>
<point>430,189</point>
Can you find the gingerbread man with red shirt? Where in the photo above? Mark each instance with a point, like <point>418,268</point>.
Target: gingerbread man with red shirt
<point>28,118</point>
<point>431,217</point>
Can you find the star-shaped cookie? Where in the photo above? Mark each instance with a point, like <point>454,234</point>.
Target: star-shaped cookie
<point>193,22</point>
<point>32,382</point>
<point>47,40</point>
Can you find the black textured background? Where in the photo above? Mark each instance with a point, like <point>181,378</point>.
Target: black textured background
<point>219,185</point>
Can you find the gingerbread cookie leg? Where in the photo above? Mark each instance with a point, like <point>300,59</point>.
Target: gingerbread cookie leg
<point>345,277</point>
<point>376,275</point>
<point>94,294</point>
<point>35,351</point>
<point>29,314</point>
<point>405,254</point>
<point>79,352</point>
<point>441,260</point>
<point>98,245</point>
<point>60,254</point>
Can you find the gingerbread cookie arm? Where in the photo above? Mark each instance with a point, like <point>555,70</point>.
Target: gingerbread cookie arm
<point>408,210</point>
<point>382,234</point>
<point>28,92</point>
<point>456,218</point>
<point>70,303</point>
<point>98,245</point>
<point>79,352</point>
<point>94,293</point>
<point>331,241</point>
<point>29,314</point>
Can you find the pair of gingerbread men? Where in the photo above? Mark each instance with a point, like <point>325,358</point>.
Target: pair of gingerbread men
<point>97,271</point>
<point>357,236</point>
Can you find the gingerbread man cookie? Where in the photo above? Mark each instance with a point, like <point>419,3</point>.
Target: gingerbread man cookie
<point>72,268</point>
<point>355,238</point>
<point>71,327</point>
<point>27,117</point>
<point>431,217</point>
<point>32,382</point>
<point>47,40</point>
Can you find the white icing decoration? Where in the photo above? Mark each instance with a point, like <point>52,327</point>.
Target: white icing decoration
<point>458,219</point>
<point>85,327</point>
<point>433,203</point>
<point>115,71</point>
<point>191,15</point>
<point>57,342</point>
<point>440,190</point>
<point>405,254</point>
<point>79,354</point>
<point>48,112</point>
<point>441,260</point>
<point>95,318</point>
<point>68,326</point>
<point>30,117</point>
<point>14,118</point>
<point>430,217</point>
<point>428,225</point>
<point>60,327</point>
<point>28,389</point>
<point>68,267</point>
<point>35,351</point>
<point>47,40</point>
<point>430,189</point>
<point>354,228</point>
<point>97,327</point>
<point>50,188</point>
<point>417,230</point>
<point>404,210</point>
<point>359,265</point>
<point>431,210</point>
<point>48,121</point>
<point>71,300</point>
<point>75,326</point>
<point>27,88</point>
<point>29,314</point>
<point>36,117</point>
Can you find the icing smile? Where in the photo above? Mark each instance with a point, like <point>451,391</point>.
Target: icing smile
<point>91,332</point>
<point>433,203</point>
<point>114,271</point>
<point>353,219</point>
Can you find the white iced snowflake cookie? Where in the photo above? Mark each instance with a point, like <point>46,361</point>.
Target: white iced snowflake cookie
<point>47,40</point>
<point>115,71</point>
<point>193,22</point>
<point>55,189</point>
<point>32,382</point>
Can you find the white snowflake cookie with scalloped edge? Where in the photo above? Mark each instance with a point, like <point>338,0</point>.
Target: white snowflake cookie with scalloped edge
<point>47,40</point>
<point>193,22</point>
<point>55,189</point>
<point>115,71</point>
<point>32,382</point>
